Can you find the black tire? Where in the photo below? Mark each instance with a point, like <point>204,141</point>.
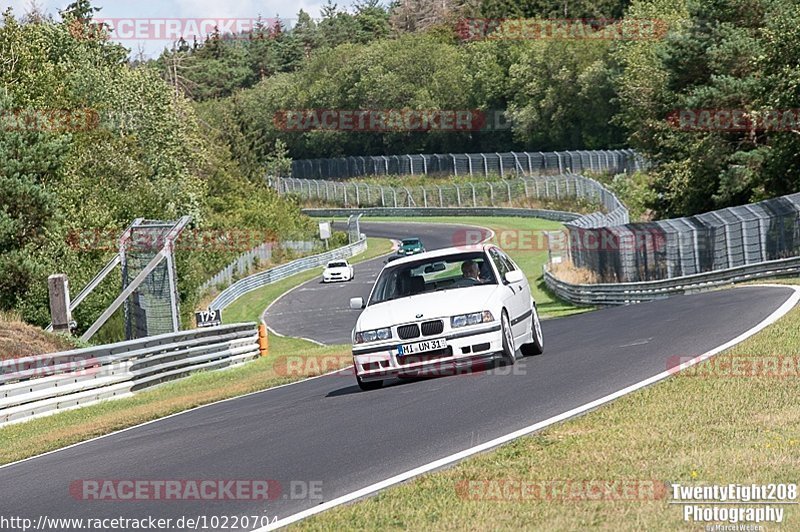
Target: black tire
<point>368,385</point>
<point>537,346</point>
<point>508,356</point>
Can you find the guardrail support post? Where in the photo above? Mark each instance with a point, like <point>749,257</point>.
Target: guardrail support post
<point>58,286</point>
<point>263,339</point>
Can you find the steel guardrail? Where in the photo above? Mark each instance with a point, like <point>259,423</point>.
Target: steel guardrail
<point>39,385</point>
<point>611,294</point>
<point>257,280</point>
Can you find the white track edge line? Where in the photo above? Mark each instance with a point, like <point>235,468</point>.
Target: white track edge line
<point>402,477</point>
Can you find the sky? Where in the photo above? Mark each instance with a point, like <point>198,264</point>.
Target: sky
<point>186,14</point>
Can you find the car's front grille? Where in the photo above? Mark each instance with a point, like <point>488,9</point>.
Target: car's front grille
<point>430,328</point>
<point>425,357</point>
<point>408,331</point>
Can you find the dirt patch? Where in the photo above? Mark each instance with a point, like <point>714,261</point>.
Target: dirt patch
<point>18,339</point>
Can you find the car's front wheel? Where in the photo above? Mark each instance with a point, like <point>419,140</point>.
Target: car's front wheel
<point>536,347</point>
<point>368,385</point>
<point>509,354</point>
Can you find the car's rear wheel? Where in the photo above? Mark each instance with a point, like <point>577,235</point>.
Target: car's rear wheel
<point>368,385</point>
<point>536,347</point>
<point>509,353</point>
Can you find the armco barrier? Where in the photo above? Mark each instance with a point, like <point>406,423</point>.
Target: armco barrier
<point>40,385</point>
<point>609,294</point>
<point>257,280</point>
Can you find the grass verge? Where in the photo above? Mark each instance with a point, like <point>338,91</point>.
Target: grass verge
<point>700,427</point>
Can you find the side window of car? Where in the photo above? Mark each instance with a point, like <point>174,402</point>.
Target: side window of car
<point>507,260</point>
<point>502,266</point>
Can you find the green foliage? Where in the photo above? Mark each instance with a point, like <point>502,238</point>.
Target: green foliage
<point>554,8</point>
<point>718,55</point>
<point>143,151</point>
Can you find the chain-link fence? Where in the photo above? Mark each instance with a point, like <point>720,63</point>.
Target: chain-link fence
<point>511,192</point>
<point>472,164</point>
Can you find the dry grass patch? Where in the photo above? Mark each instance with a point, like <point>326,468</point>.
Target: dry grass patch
<point>568,272</point>
<point>18,339</point>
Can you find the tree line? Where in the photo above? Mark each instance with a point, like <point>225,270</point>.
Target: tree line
<point>585,92</point>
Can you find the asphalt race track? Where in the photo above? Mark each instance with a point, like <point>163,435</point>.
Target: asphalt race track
<point>326,432</point>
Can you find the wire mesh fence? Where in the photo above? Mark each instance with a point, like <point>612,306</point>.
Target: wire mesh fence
<point>717,240</point>
<point>153,308</point>
<point>567,187</point>
<point>511,164</point>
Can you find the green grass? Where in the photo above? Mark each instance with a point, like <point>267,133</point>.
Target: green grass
<point>520,238</point>
<point>250,306</point>
<point>688,429</point>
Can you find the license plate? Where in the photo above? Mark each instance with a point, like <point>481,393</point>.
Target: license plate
<point>421,347</point>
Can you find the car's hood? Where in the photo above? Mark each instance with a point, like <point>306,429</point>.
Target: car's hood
<point>430,305</point>
<point>340,269</point>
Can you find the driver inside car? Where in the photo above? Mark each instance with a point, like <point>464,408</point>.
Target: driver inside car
<point>470,274</point>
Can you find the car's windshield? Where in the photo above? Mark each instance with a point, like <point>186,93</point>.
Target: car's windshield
<point>337,265</point>
<point>459,270</point>
<point>411,242</point>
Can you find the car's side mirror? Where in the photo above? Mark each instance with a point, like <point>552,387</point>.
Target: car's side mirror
<point>357,303</point>
<point>514,276</point>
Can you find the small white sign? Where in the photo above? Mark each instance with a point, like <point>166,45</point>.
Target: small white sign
<point>324,230</point>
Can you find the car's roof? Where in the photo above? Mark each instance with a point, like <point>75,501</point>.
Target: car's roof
<point>441,253</point>
<point>335,261</point>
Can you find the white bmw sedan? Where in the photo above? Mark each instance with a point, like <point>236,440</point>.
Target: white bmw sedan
<point>337,270</point>
<point>444,309</point>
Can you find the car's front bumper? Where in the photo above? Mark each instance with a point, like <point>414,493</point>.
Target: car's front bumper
<point>334,278</point>
<point>464,347</point>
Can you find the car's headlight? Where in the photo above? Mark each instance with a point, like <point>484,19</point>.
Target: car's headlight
<point>474,318</point>
<point>373,335</point>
